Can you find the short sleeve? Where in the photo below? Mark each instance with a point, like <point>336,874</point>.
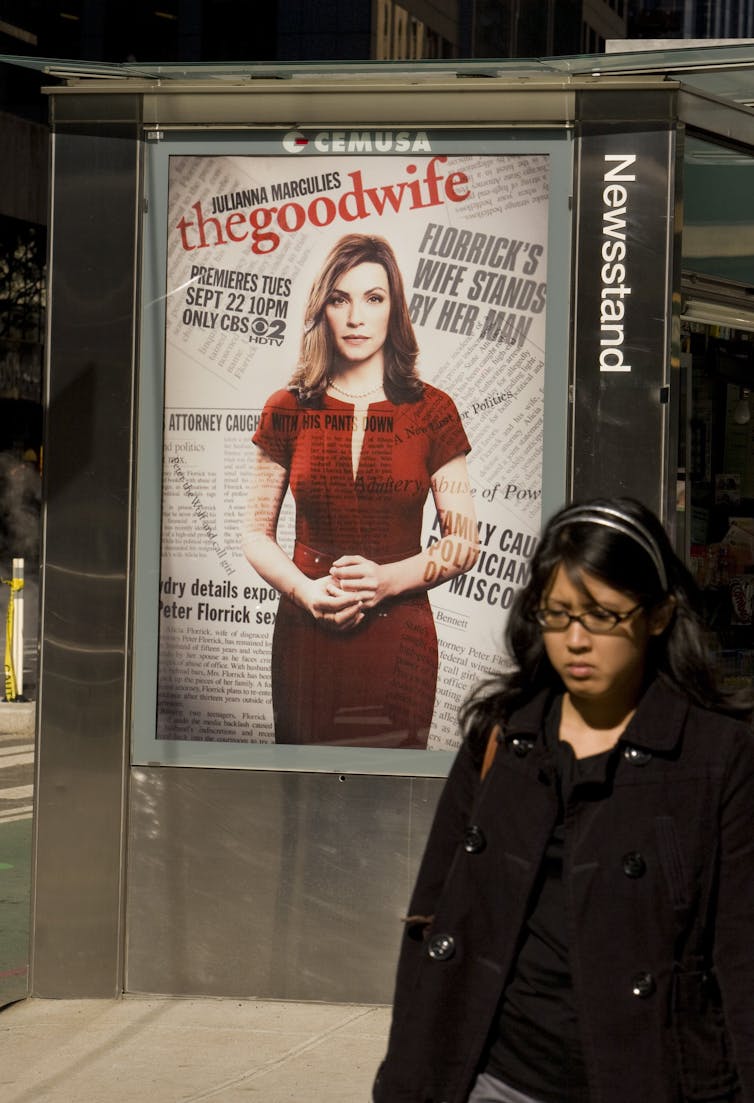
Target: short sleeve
<point>278,426</point>
<point>447,435</point>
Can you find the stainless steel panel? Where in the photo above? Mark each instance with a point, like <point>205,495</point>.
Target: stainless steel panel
<point>378,98</point>
<point>622,311</point>
<point>382,101</point>
<point>82,719</point>
<point>365,106</point>
<point>271,884</point>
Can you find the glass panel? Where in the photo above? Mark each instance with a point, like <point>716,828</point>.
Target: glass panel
<point>232,318</point>
<point>19,471</point>
<point>22,323</point>
<point>692,63</point>
<point>718,235</point>
<point>716,469</point>
<point>717,434</point>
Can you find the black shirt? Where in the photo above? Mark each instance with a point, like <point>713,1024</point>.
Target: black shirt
<point>536,1045</point>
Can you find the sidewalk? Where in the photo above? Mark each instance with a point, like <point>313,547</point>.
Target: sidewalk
<point>163,1050</point>
<point>158,1049</point>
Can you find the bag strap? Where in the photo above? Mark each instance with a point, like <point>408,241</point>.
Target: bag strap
<point>490,751</point>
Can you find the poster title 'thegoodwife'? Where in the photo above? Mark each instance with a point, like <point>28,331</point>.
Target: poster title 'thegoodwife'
<point>263,225</point>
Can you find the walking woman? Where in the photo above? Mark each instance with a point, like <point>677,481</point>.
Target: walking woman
<point>582,927</point>
<point>361,441</point>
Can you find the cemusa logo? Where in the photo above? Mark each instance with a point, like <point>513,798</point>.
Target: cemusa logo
<point>295,141</point>
<point>358,141</point>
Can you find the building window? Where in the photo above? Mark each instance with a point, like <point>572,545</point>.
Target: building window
<point>399,36</point>
<point>400,33</point>
<point>416,39</point>
<point>384,45</point>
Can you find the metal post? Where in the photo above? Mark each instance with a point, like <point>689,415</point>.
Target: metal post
<point>18,625</point>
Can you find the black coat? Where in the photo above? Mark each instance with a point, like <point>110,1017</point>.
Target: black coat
<point>659,878</point>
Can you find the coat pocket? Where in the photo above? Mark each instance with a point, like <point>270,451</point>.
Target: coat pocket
<point>706,1070</point>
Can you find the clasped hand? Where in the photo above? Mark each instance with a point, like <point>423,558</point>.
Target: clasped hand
<point>341,599</point>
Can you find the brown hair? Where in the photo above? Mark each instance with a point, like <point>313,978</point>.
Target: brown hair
<point>401,383</point>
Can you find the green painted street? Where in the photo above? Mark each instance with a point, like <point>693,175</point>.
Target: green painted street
<point>16,778</point>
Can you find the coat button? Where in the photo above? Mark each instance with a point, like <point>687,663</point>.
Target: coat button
<point>474,841</point>
<point>521,747</point>
<point>634,864</point>
<point>636,756</point>
<point>643,985</point>
<point>441,947</point>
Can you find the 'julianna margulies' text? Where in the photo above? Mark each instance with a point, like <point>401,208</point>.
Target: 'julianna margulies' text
<point>263,225</point>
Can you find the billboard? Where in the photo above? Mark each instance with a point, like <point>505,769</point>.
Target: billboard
<point>354,359</point>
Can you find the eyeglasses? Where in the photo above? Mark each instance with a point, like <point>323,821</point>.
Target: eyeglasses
<point>596,621</point>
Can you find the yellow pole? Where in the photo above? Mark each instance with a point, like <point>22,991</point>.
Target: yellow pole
<point>14,585</point>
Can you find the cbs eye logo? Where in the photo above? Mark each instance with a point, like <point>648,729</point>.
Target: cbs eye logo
<point>267,333</point>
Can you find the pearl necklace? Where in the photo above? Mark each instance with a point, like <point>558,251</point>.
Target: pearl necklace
<point>348,394</point>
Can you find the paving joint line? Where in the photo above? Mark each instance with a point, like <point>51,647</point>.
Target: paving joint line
<point>275,1062</point>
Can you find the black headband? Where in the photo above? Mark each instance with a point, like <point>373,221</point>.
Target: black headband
<point>612,518</point>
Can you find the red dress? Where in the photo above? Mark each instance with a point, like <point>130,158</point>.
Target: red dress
<point>372,686</point>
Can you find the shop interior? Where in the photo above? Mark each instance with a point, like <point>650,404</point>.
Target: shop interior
<point>715,500</point>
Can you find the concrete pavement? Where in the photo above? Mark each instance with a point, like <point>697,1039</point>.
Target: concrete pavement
<point>189,1050</point>
<point>157,1049</point>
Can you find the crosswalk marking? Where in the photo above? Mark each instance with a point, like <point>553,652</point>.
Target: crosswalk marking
<point>6,761</point>
<point>13,814</point>
<point>17,792</point>
<point>16,764</point>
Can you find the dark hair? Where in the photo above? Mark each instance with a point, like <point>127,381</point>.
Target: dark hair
<point>401,383</point>
<point>623,544</point>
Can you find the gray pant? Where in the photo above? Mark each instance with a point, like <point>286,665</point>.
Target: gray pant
<point>489,1090</point>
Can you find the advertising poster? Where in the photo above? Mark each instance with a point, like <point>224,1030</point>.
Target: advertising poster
<point>352,439</point>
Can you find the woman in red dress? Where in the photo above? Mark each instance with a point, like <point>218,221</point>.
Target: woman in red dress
<point>361,441</point>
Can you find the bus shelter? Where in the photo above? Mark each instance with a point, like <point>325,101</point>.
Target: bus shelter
<point>561,300</point>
